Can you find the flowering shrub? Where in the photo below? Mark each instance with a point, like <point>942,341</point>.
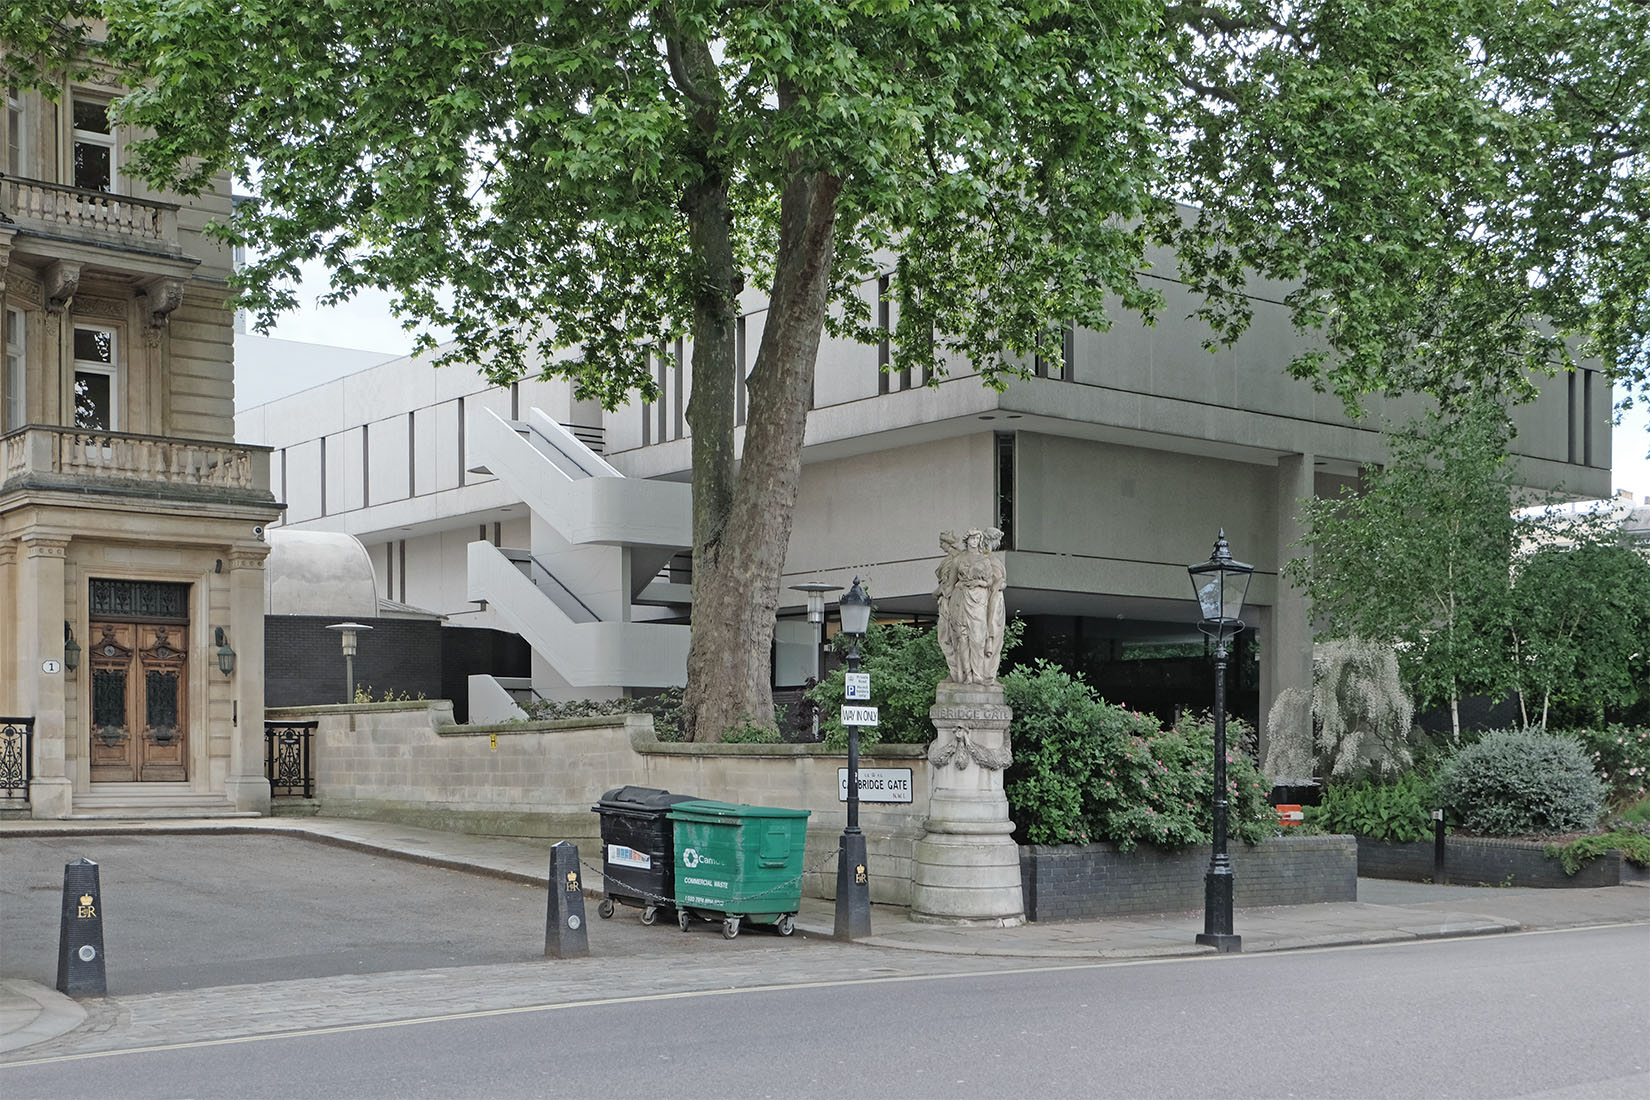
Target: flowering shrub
<point>1621,756</point>
<point>1086,770</point>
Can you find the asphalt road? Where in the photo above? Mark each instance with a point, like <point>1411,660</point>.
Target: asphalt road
<point>191,912</point>
<point>1560,1014</point>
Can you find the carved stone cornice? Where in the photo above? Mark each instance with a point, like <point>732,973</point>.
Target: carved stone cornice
<point>41,546</point>
<point>6,237</point>
<point>62,280</point>
<point>247,559</point>
<point>8,553</point>
<point>89,305</point>
<point>22,287</point>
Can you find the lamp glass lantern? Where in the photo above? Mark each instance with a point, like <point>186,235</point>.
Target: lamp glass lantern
<point>1221,584</point>
<point>71,648</point>
<point>855,610</point>
<point>226,655</point>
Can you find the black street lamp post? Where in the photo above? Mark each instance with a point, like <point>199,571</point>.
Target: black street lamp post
<point>1221,584</point>
<point>853,889</point>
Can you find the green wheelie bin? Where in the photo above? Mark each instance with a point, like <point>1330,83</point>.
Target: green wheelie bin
<point>738,863</point>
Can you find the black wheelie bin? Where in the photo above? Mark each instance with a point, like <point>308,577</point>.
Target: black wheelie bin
<point>638,849</point>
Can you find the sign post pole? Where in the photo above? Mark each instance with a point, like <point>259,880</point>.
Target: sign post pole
<point>853,887</point>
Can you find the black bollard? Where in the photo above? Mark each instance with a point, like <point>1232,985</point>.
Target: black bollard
<point>80,970</point>
<point>565,935</point>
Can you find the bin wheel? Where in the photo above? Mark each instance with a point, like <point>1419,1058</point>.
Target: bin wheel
<point>730,928</point>
<point>650,914</point>
<point>605,908</point>
<point>682,918</point>
<point>785,925</point>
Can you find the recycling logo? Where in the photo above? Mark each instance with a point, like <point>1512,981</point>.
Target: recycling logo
<point>690,858</point>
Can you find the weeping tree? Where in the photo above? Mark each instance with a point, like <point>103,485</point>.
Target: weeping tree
<point>1355,722</point>
<point>562,186</point>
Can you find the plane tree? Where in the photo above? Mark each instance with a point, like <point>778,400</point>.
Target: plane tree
<point>564,184</point>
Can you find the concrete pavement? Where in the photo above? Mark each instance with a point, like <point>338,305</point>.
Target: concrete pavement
<point>1386,912</point>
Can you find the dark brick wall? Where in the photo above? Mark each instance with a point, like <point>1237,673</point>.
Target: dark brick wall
<point>1083,882</point>
<point>1482,861</point>
<point>304,661</point>
<point>471,651</point>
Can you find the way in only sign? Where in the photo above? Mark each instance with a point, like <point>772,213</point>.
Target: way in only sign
<point>859,716</point>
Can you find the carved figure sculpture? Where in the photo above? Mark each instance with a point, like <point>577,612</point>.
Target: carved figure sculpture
<point>972,615</point>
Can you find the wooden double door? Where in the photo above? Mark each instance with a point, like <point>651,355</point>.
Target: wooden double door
<point>139,691</point>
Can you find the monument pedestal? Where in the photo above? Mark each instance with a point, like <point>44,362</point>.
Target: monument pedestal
<point>967,866</point>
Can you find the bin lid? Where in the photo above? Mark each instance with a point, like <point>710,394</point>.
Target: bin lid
<point>646,799</point>
<point>706,809</point>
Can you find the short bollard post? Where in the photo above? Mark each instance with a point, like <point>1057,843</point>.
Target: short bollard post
<point>80,971</point>
<point>565,935</point>
<point>1438,845</point>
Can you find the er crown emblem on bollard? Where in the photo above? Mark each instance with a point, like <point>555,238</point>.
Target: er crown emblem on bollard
<point>88,908</point>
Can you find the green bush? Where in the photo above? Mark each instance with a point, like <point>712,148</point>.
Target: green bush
<point>1621,755</point>
<point>1398,811</point>
<point>1517,782</point>
<point>1633,843</point>
<point>1085,770</point>
<point>666,708</point>
<point>749,733</point>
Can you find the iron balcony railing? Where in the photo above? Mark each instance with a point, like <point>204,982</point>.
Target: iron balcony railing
<point>289,761</point>
<point>16,758</point>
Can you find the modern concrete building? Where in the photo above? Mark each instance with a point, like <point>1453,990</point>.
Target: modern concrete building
<point>1109,470</point>
<point>131,556</point>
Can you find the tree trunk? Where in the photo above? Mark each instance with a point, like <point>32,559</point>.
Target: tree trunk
<point>737,565</point>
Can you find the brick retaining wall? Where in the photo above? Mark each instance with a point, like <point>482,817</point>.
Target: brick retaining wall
<point>1083,882</point>
<point>1487,861</point>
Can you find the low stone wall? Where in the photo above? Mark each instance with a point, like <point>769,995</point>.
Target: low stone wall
<point>1083,882</point>
<point>409,762</point>
<point>1487,861</point>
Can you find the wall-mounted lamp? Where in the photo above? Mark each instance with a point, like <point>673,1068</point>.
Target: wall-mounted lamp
<point>71,648</point>
<point>226,656</point>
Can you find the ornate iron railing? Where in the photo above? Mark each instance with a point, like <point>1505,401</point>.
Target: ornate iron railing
<point>76,211</point>
<point>16,758</point>
<point>289,758</point>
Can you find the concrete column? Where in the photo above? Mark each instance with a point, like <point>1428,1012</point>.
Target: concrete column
<point>40,615</point>
<point>1286,653</point>
<point>246,785</point>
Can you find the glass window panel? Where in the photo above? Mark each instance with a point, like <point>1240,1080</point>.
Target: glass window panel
<point>94,345</point>
<point>93,166</point>
<point>161,696</point>
<point>109,698</point>
<point>93,400</point>
<point>91,116</point>
<point>16,365</point>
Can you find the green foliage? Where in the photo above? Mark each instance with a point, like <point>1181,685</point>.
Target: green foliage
<point>363,694</point>
<point>1396,810</point>
<point>905,665</point>
<point>1581,613</point>
<point>665,707</point>
<point>749,733</point>
<point>1086,770</point>
<point>1633,844</point>
<point>1450,191</point>
<point>1520,782</point>
<point>1621,756</point>
<point>1420,560</point>
<point>1638,813</point>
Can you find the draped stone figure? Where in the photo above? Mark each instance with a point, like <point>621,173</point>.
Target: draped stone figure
<point>972,614</point>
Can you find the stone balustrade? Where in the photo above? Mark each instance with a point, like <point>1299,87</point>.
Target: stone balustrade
<point>83,454</point>
<point>77,212</point>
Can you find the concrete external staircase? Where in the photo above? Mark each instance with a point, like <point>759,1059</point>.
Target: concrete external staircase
<point>604,540</point>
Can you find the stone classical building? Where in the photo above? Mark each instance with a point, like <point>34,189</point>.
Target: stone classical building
<point>131,523</point>
<point>1109,471</point>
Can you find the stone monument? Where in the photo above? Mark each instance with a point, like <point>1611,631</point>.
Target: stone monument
<point>967,866</point>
